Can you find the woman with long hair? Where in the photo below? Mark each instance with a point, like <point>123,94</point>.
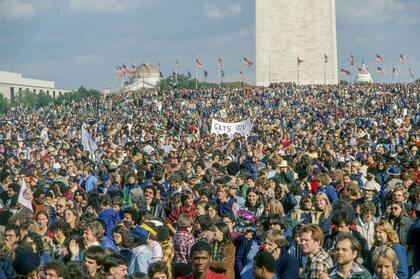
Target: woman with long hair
<point>80,200</point>
<point>322,214</point>
<point>400,221</point>
<point>385,236</point>
<point>304,213</point>
<point>153,205</point>
<point>122,239</point>
<point>71,217</point>
<point>253,202</point>
<point>223,251</point>
<point>274,206</point>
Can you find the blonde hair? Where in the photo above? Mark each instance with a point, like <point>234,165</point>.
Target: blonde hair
<point>382,253</point>
<point>323,179</point>
<point>276,236</point>
<point>392,236</point>
<point>275,207</point>
<point>327,209</point>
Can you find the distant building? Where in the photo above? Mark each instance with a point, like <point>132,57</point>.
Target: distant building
<point>13,85</point>
<point>145,76</point>
<point>286,30</point>
<point>363,75</point>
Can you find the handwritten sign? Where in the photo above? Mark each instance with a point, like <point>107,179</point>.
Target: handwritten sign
<point>244,127</point>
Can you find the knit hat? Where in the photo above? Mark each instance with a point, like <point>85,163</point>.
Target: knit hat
<point>140,234</point>
<point>394,170</point>
<point>26,262</point>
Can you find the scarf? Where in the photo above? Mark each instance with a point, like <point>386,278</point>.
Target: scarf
<point>218,248</point>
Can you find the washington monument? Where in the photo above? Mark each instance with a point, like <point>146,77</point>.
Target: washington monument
<point>296,42</point>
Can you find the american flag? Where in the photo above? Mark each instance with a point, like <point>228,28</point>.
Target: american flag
<point>403,59</point>
<point>299,61</point>
<point>380,71</point>
<point>222,73</point>
<point>177,64</point>
<point>133,70</point>
<point>198,64</point>
<point>345,72</point>
<point>247,62</point>
<point>325,58</point>
<point>379,59</point>
<point>125,70</point>
<point>221,63</point>
<point>410,72</point>
<point>351,60</point>
<point>395,72</point>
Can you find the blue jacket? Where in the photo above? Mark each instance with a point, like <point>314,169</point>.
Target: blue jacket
<point>89,184</point>
<point>329,191</point>
<point>414,240</point>
<point>106,242</point>
<point>402,271</point>
<point>243,247</point>
<point>287,266</point>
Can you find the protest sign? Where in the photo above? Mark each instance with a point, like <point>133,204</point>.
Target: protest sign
<point>243,127</point>
<point>25,195</point>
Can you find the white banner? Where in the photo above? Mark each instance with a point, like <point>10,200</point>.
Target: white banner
<point>25,195</point>
<point>88,144</point>
<point>243,127</point>
<point>44,135</point>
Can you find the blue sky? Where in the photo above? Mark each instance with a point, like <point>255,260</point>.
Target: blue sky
<point>79,42</point>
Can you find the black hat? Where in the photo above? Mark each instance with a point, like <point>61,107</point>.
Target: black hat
<point>26,262</point>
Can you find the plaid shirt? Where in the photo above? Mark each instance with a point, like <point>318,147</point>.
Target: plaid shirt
<point>183,241</point>
<point>168,253</point>
<point>317,261</point>
<point>173,217</point>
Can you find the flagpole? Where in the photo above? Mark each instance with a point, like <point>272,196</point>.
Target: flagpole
<point>218,68</point>
<point>297,67</point>
<point>400,71</point>
<point>196,84</point>
<point>176,73</point>
<point>243,71</point>
<point>269,69</point>
<point>325,70</point>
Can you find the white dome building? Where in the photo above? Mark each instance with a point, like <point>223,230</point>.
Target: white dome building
<point>363,75</point>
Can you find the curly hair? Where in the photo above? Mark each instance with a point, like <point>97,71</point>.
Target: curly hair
<point>368,207</point>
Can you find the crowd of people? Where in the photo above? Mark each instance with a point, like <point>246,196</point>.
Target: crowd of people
<point>326,185</point>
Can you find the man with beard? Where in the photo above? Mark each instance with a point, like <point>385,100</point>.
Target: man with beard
<point>347,251</point>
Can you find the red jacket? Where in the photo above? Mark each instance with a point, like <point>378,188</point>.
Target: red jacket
<point>209,275</point>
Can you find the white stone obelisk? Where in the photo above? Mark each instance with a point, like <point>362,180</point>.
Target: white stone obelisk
<point>287,27</point>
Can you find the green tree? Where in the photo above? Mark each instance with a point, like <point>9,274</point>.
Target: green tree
<point>4,104</point>
<point>43,99</point>
<point>344,82</point>
<point>26,98</point>
<point>418,80</point>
